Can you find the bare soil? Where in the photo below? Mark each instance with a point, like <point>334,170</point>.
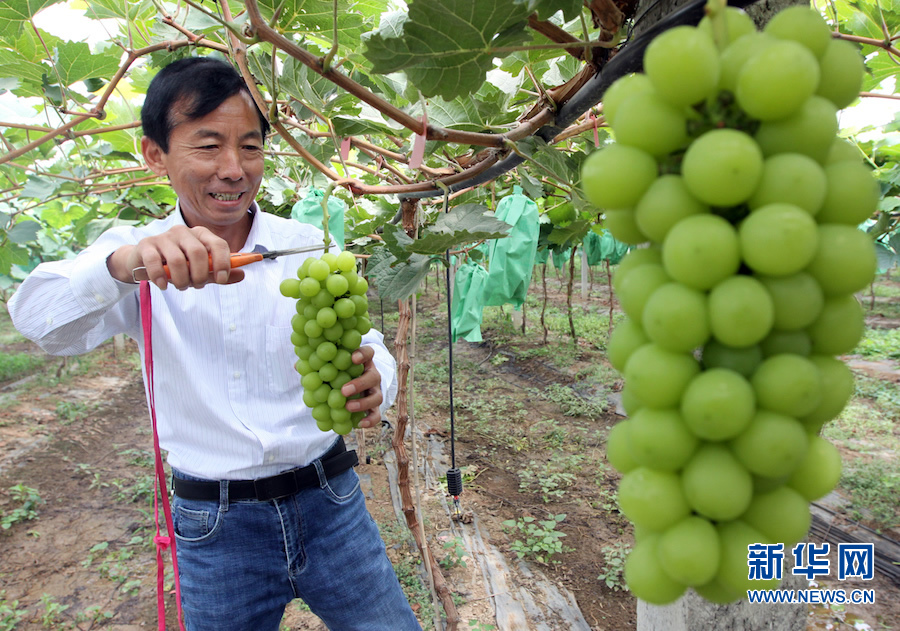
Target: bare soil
<point>77,431</point>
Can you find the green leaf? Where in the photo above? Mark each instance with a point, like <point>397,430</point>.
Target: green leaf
<point>24,232</point>
<point>21,10</point>
<point>14,65</point>
<point>39,187</point>
<point>397,242</point>
<point>10,255</point>
<point>571,234</point>
<point>314,17</point>
<point>75,62</point>
<point>346,126</point>
<point>397,280</point>
<point>130,10</point>
<point>547,8</point>
<point>464,224</point>
<point>448,46</point>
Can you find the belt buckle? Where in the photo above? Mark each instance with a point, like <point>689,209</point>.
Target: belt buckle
<point>275,487</point>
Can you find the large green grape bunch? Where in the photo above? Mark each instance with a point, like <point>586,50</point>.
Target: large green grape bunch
<point>727,166</point>
<point>332,316</point>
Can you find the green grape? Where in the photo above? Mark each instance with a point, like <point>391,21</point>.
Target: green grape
<point>788,384</point>
<point>322,414</point>
<point>302,366</point>
<point>304,350</point>
<point>356,417</point>
<point>630,401</point>
<point>328,372</point>
<point>683,65</point>
<point>309,399</point>
<point>349,323</point>
<point>791,178</point>
<point>290,288</point>
<point>701,251</point>
<point>331,259</point>
<point>649,123</point>
<point>645,577</point>
<point>361,303</point>
<point>689,551</point>
<point>778,342</point>
<point>351,340</point>
<point>718,404</point>
<point>627,337</point>
<point>338,382</point>
<point>774,83</point>
<point>803,25</point>
<point>658,377</point>
<point>740,311</point>
<point>842,150</point>
<point>352,280</point>
<point>618,450</point>
<point>310,311</point>
<point>344,308</point>
<point>360,287</point>
<point>326,317</point>
<point>337,285</point>
<point>311,381</point>
<point>737,24</point>
<point>845,261</point>
<point>837,388</point>
<point>326,351</point>
<point>675,317</point>
<point>660,439</point>
<point>320,394</point>
<point>616,176</point>
<point>340,415</point>
<point>773,445</point>
<point>346,262</point>
<point>336,399</point>
<point>741,360</point>
<point>638,286</point>
<point>314,342</point>
<point>342,428</point>
<point>333,333</point>
<point>736,55</point>
<point>718,593</point>
<point>319,270</point>
<point>297,324</point>
<point>810,131</point>
<point>355,370</point>
<point>665,203</point>
<point>652,499</point>
<point>778,239</point>
<point>839,327</point>
<point>819,471</point>
<point>851,195</point>
<point>735,536</point>
<point>843,71</point>
<point>303,270</point>
<point>634,258</point>
<point>323,299</point>
<point>312,329</point>
<point>797,300</point>
<point>715,484</point>
<point>316,362</point>
<point>622,224</point>
<point>342,359</point>
<point>622,89</point>
<point>363,325</point>
<point>781,515</point>
<point>722,167</point>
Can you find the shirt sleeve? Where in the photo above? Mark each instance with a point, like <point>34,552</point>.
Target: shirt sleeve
<point>387,367</point>
<point>70,307</point>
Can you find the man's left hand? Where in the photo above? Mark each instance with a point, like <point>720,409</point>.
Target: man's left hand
<point>368,384</point>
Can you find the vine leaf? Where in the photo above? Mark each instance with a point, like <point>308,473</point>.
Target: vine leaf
<point>22,10</point>
<point>448,46</point>
<point>397,280</point>
<point>546,8</point>
<point>75,62</point>
<point>464,224</point>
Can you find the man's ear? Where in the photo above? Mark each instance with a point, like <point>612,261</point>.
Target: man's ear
<point>153,156</point>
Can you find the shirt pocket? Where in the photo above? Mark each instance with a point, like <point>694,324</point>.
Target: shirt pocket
<point>280,359</point>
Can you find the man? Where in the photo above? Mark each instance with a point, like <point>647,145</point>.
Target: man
<point>228,400</point>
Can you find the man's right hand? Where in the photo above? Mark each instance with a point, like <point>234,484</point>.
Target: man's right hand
<point>185,251</point>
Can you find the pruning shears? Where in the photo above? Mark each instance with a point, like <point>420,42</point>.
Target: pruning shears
<point>238,259</point>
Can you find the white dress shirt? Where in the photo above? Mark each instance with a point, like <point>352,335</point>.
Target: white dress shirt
<point>228,399</point>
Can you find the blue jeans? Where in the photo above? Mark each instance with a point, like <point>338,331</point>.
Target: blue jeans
<point>241,563</point>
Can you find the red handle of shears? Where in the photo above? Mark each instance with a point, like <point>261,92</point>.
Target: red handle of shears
<point>237,260</point>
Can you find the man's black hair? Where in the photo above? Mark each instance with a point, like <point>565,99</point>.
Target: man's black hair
<point>196,86</point>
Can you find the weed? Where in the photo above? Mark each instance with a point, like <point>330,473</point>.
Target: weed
<point>52,611</point>
<point>880,344</point>
<point>29,499</point>
<point>10,614</point>
<point>873,488</point>
<point>614,556</point>
<point>861,426</point>
<point>481,626</point>
<point>14,365</point>
<point>550,479</point>
<point>94,615</point>
<point>455,553</point>
<point>542,539</point>
<point>570,402</point>
<point>71,411</point>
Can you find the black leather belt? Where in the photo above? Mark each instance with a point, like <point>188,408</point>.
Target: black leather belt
<point>335,461</point>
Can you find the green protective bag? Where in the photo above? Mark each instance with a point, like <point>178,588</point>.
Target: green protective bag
<point>511,260</point>
<point>561,258</point>
<point>309,210</point>
<point>467,306</point>
<point>603,247</point>
<point>541,257</point>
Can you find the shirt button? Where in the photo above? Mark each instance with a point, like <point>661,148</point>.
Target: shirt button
<point>237,375</point>
<point>49,320</point>
<point>270,458</point>
<point>232,327</point>
<point>99,298</point>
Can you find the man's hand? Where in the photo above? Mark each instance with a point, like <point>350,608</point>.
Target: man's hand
<point>369,385</point>
<point>186,252</point>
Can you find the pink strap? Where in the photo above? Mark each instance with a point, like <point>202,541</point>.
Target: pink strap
<point>160,489</point>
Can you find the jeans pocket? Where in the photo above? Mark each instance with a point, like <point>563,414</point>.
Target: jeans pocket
<point>342,487</point>
<point>194,520</point>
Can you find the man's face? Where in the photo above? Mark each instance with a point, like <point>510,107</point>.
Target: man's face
<point>214,164</point>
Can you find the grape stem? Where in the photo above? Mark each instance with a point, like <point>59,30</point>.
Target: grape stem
<point>715,9</point>
<point>327,239</point>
